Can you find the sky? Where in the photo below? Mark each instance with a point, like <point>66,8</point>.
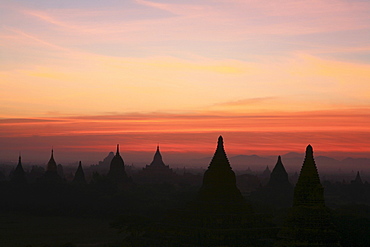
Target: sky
<point>270,76</point>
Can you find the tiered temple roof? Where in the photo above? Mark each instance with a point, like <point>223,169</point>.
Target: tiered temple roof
<point>309,220</point>
<point>308,190</point>
<point>219,188</point>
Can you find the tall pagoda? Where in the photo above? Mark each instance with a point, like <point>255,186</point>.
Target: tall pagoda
<point>117,172</point>
<point>51,174</point>
<point>219,190</point>
<point>309,220</point>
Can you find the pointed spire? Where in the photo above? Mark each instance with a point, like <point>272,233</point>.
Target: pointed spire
<point>157,159</point>
<point>279,167</point>
<point>220,158</point>
<point>79,175</point>
<point>18,175</point>
<point>279,176</point>
<point>52,165</point>
<point>117,168</point>
<point>220,142</point>
<point>358,179</point>
<point>308,189</point>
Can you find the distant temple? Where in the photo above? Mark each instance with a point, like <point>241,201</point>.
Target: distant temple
<point>157,172</point>
<point>117,172</point>
<point>278,192</point>
<point>309,221</point>
<point>279,176</point>
<point>19,176</point>
<point>79,177</point>
<point>51,174</point>
<point>357,180</point>
<point>52,165</point>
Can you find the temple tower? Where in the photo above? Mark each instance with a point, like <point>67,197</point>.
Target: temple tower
<point>117,171</point>
<point>51,173</point>
<point>19,176</point>
<point>157,172</point>
<point>309,221</point>
<point>219,190</point>
<point>308,190</point>
<point>79,177</point>
<point>52,165</point>
<point>278,193</point>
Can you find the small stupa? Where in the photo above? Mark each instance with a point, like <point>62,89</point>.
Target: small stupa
<point>51,174</point>
<point>19,176</point>
<point>79,177</point>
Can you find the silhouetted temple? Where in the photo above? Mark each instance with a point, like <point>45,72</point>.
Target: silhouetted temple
<point>219,190</point>
<point>51,174</point>
<point>309,221</point>
<point>157,171</point>
<point>278,193</point>
<point>19,176</point>
<point>52,165</point>
<point>219,215</point>
<point>79,177</point>
<point>357,180</point>
<point>266,172</point>
<point>117,171</point>
<point>279,176</point>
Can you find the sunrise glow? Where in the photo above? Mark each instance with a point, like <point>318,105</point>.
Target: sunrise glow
<point>270,77</point>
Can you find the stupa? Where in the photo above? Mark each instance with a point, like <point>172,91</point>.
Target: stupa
<point>309,220</point>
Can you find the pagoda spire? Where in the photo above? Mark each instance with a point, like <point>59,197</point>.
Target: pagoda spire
<point>219,190</point>
<point>358,179</point>
<point>308,189</point>
<point>117,152</point>
<point>52,165</point>
<point>220,159</point>
<point>79,175</point>
<point>279,176</point>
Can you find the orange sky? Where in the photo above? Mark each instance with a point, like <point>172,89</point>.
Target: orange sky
<point>269,76</point>
<point>339,134</point>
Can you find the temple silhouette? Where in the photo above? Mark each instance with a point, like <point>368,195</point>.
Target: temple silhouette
<point>19,176</point>
<point>79,177</point>
<point>207,208</point>
<point>51,174</point>
<point>117,173</point>
<point>218,215</point>
<point>219,192</point>
<point>278,193</point>
<point>309,222</point>
<point>156,172</point>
